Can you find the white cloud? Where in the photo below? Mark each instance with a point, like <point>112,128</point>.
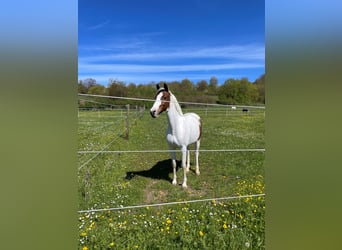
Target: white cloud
<point>98,26</point>
<point>136,65</point>
<point>136,68</point>
<point>248,52</point>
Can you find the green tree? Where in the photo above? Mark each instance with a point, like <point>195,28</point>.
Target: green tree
<point>117,88</point>
<point>260,84</point>
<point>89,82</point>
<point>188,92</point>
<point>202,86</point>
<point>235,91</point>
<point>132,90</point>
<point>186,86</point>
<point>97,89</point>
<point>212,88</point>
<point>175,87</point>
<point>81,88</point>
<point>146,90</point>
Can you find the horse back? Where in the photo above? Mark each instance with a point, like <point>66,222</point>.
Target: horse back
<point>192,116</point>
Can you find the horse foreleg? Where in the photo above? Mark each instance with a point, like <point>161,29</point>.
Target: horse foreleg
<point>196,155</point>
<point>184,153</point>
<point>174,164</point>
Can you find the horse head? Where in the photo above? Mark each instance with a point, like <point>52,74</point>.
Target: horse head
<point>162,101</point>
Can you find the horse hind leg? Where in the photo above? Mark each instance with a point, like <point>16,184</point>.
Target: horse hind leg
<point>196,156</point>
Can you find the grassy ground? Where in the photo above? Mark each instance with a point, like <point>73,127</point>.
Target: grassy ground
<point>125,179</point>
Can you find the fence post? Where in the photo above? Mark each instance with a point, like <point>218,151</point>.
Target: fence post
<point>136,115</point>
<point>127,122</point>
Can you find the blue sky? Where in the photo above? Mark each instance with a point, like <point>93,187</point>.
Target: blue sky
<point>166,40</point>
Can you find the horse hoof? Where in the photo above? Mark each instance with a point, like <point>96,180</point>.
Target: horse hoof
<point>184,185</point>
<point>174,182</point>
<point>197,172</point>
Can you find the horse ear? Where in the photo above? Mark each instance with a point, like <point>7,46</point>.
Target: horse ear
<point>165,87</point>
<point>157,86</point>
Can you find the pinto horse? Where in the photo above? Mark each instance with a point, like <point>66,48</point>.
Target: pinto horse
<point>183,130</point>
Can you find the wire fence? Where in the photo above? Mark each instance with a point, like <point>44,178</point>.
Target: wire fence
<point>218,110</point>
<point>171,203</point>
<point>180,102</point>
<point>205,108</point>
<point>167,151</point>
<point>92,158</point>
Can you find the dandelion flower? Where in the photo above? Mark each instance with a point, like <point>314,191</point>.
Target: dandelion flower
<point>85,248</point>
<point>201,233</point>
<point>168,221</point>
<point>225,226</point>
<point>111,244</point>
<point>83,234</point>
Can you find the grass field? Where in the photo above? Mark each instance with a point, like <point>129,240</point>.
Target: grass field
<point>114,180</point>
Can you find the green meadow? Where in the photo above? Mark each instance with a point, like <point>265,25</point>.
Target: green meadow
<point>121,179</point>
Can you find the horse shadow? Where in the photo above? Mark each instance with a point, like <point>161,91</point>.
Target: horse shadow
<point>160,171</point>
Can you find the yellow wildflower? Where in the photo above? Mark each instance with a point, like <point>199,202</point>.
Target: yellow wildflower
<point>85,248</point>
<point>168,221</point>
<point>83,234</point>
<point>201,233</point>
<point>225,226</point>
<point>111,244</point>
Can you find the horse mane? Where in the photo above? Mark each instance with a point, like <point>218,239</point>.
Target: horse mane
<point>175,102</point>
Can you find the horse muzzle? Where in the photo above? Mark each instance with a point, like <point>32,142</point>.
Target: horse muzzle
<point>153,113</point>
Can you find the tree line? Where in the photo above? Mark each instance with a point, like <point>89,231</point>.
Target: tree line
<point>232,91</point>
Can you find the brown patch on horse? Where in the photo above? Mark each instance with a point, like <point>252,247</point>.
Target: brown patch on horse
<point>165,102</point>
<point>200,129</point>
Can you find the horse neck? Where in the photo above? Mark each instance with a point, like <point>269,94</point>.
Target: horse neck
<point>175,111</point>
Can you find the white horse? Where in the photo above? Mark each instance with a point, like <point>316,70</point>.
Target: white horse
<point>183,130</point>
